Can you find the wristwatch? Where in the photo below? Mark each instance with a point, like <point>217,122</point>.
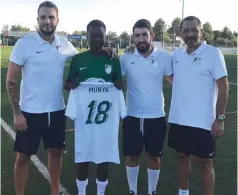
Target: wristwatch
<point>221,117</point>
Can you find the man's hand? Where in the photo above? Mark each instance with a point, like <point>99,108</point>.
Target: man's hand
<point>70,84</point>
<point>20,122</point>
<point>110,52</point>
<point>130,49</point>
<point>119,85</point>
<point>218,128</point>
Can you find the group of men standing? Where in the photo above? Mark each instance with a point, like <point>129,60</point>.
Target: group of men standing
<point>196,72</point>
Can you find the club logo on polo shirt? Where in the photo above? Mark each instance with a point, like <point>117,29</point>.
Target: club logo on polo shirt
<point>196,61</point>
<point>155,63</point>
<point>108,68</point>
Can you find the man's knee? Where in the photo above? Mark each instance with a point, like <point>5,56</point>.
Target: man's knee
<point>205,164</point>
<point>102,171</point>
<point>54,152</point>
<point>153,158</point>
<point>22,160</point>
<point>132,161</point>
<point>183,157</point>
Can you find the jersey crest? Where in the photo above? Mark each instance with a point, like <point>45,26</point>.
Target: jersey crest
<point>108,68</point>
<point>155,63</point>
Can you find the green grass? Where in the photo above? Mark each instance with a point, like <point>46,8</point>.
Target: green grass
<point>225,161</point>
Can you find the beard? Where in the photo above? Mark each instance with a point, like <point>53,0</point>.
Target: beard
<point>143,47</point>
<point>47,32</point>
<point>191,41</point>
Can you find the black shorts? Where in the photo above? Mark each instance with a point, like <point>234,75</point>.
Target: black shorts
<point>48,126</point>
<point>151,136</point>
<point>191,141</point>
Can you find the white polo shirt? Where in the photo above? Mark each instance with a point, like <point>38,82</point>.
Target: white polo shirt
<point>42,76</point>
<point>144,98</point>
<point>194,93</point>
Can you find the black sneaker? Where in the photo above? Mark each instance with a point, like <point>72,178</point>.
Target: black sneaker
<point>132,193</point>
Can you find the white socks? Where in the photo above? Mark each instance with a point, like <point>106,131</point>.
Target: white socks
<point>101,187</point>
<point>132,176</point>
<point>153,176</point>
<point>82,187</point>
<point>183,192</point>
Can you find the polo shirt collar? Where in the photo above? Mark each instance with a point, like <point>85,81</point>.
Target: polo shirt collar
<point>136,53</point>
<point>56,40</point>
<point>198,50</point>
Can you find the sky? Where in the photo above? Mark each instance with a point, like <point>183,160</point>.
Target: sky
<point>120,15</point>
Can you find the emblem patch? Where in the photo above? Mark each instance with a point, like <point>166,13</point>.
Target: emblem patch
<point>155,63</point>
<point>108,68</point>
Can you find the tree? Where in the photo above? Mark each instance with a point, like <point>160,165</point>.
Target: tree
<point>20,28</point>
<point>175,27</point>
<point>226,33</point>
<point>5,28</point>
<point>216,34</point>
<point>125,39</point>
<point>62,33</point>
<point>158,29</point>
<point>112,39</point>
<point>234,41</point>
<point>77,32</point>
<point>208,33</point>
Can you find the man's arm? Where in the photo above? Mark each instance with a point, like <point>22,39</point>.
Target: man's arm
<point>169,69</point>
<point>223,92</point>
<point>117,75</point>
<point>71,81</point>
<point>13,74</point>
<point>219,73</point>
<point>169,79</point>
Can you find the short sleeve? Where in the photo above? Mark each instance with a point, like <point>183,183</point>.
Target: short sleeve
<point>123,65</point>
<point>18,55</point>
<point>73,69</point>
<point>123,113</point>
<point>117,69</point>
<point>218,63</point>
<point>71,106</point>
<point>72,50</point>
<point>168,65</point>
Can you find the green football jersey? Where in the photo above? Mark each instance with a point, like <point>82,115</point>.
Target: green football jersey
<point>85,65</point>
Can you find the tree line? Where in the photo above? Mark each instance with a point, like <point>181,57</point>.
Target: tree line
<point>165,33</point>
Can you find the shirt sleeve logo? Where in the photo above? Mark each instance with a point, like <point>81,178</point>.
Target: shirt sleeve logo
<point>108,68</point>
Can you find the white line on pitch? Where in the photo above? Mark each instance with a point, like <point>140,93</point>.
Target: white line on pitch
<point>233,83</point>
<point>231,112</point>
<point>36,161</point>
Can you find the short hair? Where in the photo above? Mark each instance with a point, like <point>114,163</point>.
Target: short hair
<point>48,4</point>
<point>97,23</point>
<point>189,18</point>
<point>142,23</point>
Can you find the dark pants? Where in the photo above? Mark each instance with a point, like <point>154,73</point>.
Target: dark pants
<point>48,126</point>
<point>139,133</point>
<point>191,141</point>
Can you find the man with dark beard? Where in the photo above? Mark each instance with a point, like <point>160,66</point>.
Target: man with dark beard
<point>145,125</point>
<point>39,111</point>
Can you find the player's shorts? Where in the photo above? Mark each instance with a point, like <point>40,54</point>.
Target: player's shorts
<point>139,133</point>
<point>48,126</point>
<point>191,141</point>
